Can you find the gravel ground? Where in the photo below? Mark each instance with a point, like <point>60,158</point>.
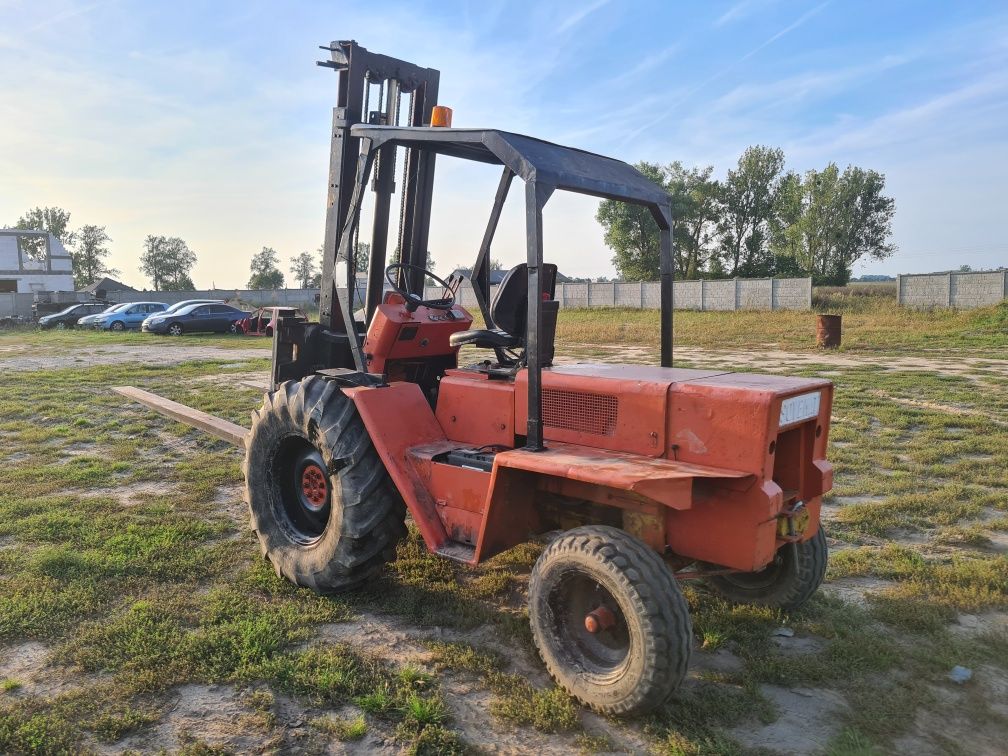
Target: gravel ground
<point>113,354</point>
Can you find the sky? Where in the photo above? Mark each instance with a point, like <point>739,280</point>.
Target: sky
<point>210,121</point>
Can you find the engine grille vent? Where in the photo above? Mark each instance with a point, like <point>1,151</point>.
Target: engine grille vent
<point>580,411</point>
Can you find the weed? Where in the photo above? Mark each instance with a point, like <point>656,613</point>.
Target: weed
<point>420,711</point>
<point>600,743</point>
<point>850,742</point>
<point>550,710</point>
<point>437,740</point>
<point>379,700</point>
<point>342,729</point>
<point>260,699</point>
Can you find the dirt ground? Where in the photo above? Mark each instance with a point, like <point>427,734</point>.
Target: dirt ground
<point>20,359</point>
<point>813,715</point>
<point>776,360</point>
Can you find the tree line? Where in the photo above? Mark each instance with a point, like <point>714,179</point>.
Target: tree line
<point>166,260</point>
<point>760,220</point>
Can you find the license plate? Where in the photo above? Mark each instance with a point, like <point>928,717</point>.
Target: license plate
<point>794,409</point>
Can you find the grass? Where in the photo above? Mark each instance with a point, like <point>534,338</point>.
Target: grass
<point>876,327</point>
<point>123,549</point>
<point>342,729</point>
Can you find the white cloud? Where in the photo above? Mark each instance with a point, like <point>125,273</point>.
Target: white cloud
<point>672,107</point>
<point>580,15</point>
<point>742,10</point>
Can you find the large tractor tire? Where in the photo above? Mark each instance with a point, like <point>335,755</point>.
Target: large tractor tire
<point>609,620</point>
<point>786,583</point>
<point>321,502</point>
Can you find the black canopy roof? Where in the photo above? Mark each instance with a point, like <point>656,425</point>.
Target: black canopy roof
<point>531,159</point>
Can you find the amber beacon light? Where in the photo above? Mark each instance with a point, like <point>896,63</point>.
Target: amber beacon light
<point>441,116</point>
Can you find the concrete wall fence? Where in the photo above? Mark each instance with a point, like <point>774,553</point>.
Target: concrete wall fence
<point>730,294</point>
<point>956,289</point>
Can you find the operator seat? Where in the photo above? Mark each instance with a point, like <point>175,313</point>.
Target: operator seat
<point>509,312</point>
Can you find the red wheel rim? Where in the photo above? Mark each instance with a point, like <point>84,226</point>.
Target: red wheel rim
<point>314,487</point>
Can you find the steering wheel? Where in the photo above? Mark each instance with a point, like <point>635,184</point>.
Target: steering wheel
<point>413,301</point>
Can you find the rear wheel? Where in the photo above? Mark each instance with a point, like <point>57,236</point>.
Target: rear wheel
<point>175,329</point>
<point>609,620</point>
<point>788,582</point>
<point>321,502</point>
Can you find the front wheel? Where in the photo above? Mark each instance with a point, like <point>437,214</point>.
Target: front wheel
<point>175,329</point>
<point>321,501</point>
<point>236,328</point>
<point>61,326</point>
<point>787,583</point>
<point>117,326</point>
<point>609,620</point>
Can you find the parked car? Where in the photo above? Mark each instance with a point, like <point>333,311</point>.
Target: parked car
<point>262,322</point>
<point>68,318</point>
<point>131,316</point>
<point>88,321</point>
<point>52,303</point>
<point>219,318</point>
<point>185,303</point>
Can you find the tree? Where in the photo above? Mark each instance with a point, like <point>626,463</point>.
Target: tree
<point>53,220</point>
<point>88,256</point>
<point>362,256</point>
<point>303,269</point>
<point>694,196</point>
<point>167,260</point>
<point>265,273</point>
<point>749,199</point>
<point>828,220</point>
<point>632,234</point>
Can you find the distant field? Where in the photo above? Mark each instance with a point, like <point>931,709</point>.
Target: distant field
<point>868,325</point>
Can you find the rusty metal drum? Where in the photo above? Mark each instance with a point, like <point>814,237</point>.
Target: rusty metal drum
<point>828,331</point>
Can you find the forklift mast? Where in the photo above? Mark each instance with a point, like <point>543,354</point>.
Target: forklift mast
<point>363,75</point>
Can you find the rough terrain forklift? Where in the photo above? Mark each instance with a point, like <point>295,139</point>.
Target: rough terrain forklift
<point>650,474</point>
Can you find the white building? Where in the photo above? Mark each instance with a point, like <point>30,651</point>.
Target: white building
<point>33,261</point>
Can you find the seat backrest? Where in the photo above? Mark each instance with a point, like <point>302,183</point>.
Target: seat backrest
<point>509,309</point>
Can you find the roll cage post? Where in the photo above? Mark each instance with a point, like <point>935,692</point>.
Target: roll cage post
<point>536,196</point>
<point>480,277</point>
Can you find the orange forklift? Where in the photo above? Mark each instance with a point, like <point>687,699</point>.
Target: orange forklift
<point>638,476</point>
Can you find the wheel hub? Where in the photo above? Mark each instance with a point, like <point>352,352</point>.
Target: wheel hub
<point>600,618</point>
<point>588,624</point>
<point>314,486</point>
<point>306,492</point>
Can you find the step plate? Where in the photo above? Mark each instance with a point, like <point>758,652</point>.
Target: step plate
<point>459,552</point>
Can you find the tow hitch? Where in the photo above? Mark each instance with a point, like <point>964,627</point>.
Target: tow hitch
<point>793,522</point>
